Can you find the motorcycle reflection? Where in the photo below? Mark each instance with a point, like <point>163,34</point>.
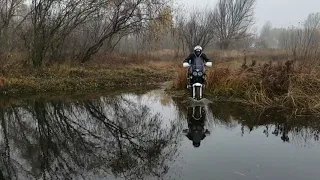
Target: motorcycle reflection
<point>196,121</point>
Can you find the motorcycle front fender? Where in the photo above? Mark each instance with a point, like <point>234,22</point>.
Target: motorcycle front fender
<point>197,85</point>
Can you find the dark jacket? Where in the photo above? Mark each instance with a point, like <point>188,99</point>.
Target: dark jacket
<point>192,56</point>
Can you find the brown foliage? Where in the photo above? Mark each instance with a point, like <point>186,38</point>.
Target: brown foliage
<point>180,81</point>
<point>286,85</point>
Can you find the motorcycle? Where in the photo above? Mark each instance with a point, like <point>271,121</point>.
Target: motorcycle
<point>196,121</point>
<point>197,77</point>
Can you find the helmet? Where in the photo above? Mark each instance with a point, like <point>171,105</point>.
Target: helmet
<point>196,144</point>
<point>198,50</point>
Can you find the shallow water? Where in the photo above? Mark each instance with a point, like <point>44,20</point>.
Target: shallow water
<point>151,136</point>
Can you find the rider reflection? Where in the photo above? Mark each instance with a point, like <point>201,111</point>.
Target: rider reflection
<point>196,121</point>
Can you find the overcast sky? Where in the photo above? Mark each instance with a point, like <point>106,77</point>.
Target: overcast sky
<point>281,13</point>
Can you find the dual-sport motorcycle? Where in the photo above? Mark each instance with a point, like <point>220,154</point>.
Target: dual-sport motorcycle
<point>196,131</point>
<point>197,77</point>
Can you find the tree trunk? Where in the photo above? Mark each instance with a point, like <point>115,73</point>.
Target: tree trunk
<point>38,51</point>
<point>37,58</point>
<point>224,45</point>
<point>4,40</point>
<point>91,51</point>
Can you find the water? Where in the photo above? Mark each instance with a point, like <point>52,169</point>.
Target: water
<point>130,136</point>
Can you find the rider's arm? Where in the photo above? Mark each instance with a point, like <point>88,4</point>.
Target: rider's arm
<point>204,56</point>
<point>188,58</point>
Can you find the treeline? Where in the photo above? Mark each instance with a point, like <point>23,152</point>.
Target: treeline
<point>38,32</point>
<point>42,32</point>
<point>226,25</point>
<point>57,30</point>
<point>303,40</point>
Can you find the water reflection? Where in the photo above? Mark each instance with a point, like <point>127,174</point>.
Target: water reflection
<point>130,137</point>
<point>196,119</point>
<point>285,125</point>
<point>107,137</point>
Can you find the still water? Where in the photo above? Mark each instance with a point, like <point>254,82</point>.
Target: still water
<point>154,136</point>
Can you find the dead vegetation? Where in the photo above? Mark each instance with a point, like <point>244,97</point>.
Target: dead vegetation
<point>120,70</point>
<point>284,84</point>
<point>277,82</point>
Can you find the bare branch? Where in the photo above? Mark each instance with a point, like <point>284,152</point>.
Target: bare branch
<point>196,30</point>
<point>232,20</point>
<point>125,17</point>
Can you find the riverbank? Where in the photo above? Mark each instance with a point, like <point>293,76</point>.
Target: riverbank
<point>107,71</point>
<point>283,84</point>
<point>268,81</point>
<point>75,79</point>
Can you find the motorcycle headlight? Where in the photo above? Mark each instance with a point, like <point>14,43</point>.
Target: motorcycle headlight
<point>195,73</point>
<point>200,73</point>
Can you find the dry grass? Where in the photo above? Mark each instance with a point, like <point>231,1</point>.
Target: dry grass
<point>271,80</point>
<point>180,81</point>
<point>273,84</point>
<point>79,79</point>
<point>66,78</point>
<point>103,72</point>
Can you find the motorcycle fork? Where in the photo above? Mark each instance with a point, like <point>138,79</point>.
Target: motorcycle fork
<point>193,91</point>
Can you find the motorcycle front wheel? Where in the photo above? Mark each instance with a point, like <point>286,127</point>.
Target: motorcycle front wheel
<point>198,93</point>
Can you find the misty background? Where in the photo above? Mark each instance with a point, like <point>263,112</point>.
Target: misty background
<point>44,32</point>
<point>281,13</point>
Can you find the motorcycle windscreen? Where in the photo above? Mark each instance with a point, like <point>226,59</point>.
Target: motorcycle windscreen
<point>198,64</point>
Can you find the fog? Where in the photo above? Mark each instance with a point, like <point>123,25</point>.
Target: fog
<point>281,13</point>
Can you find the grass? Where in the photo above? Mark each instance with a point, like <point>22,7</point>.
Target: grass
<point>281,84</point>
<point>81,80</point>
<point>271,79</point>
<point>93,76</point>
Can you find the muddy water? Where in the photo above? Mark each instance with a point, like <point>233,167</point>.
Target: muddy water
<point>154,136</point>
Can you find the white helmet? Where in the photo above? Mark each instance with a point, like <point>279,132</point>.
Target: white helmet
<point>197,48</point>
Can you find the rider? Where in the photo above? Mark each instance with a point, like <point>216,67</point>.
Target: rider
<point>197,52</point>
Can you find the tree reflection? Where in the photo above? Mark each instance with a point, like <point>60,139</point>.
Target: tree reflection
<point>86,140</point>
<point>281,124</point>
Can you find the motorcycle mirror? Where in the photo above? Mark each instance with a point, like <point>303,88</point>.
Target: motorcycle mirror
<point>186,64</point>
<point>209,64</point>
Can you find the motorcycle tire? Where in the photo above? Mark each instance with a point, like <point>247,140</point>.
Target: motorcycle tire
<point>198,90</point>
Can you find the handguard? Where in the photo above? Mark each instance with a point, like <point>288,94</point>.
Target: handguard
<point>185,64</point>
<point>209,64</point>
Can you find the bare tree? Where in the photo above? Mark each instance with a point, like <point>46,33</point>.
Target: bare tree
<point>122,17</point>
<point>266,30</point>
<point>283,39</point>
<point>303,41</point>
<point>8,9</point>
<point>157,31</point>
<point>265,35</point>
<point>99,137</point>
<point>232,19</point>
<point>197,29</point>
<point>311,36</point>
<point>51,22</point>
